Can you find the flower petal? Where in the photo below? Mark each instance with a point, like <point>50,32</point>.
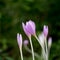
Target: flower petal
<point>30,27</point>
<point>26,42</point>
<point>45,30</point>
<point>25,29</point>
<point>19,39</point>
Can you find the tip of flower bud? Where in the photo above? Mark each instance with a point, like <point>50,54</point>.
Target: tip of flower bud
<point>26,42</point>
<point>45,30</point>
<point>19,39</point>
<point>49,42</point>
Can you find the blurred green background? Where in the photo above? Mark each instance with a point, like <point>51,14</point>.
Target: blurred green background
<point>14,12</point>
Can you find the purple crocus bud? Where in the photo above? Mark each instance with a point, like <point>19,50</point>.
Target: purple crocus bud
<point>26,42</point>
<point>45,30</point>
<point>29,28</point>
<point>32,27</point>
<point>19,40</point>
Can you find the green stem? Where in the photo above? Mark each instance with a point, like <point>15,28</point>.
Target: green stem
<point>35,54</point>
<point>46,49</point>
<point>32,48</point>
<point>38,40</point>
<point>21,53</point>
<point>43,48</point>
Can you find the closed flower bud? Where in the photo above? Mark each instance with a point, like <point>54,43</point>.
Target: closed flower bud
<point>45,30</point>
<point>19,40</point>
<point>49,42</point>
<point>26,42</point>
<point>29,28</point>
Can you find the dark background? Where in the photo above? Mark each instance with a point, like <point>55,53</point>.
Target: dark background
<point>14,12</point>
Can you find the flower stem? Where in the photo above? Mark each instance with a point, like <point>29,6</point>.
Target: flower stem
<point>21,53</point>
<point>43,48</point>
<point>35,54</point>
<point>46,49</point>
<point>32,48</point>
<point>38,41</point>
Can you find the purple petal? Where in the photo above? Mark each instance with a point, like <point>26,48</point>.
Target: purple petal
<point>19,39</point>
<point>45,30</point>
<point>30,26</point>
<point>26,42</point>
<point>25,30</point>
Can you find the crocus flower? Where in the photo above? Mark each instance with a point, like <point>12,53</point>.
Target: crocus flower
<point>29,28</point>
<point>19,40</point>
<point>45,30</point>
<point>26,42</point>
